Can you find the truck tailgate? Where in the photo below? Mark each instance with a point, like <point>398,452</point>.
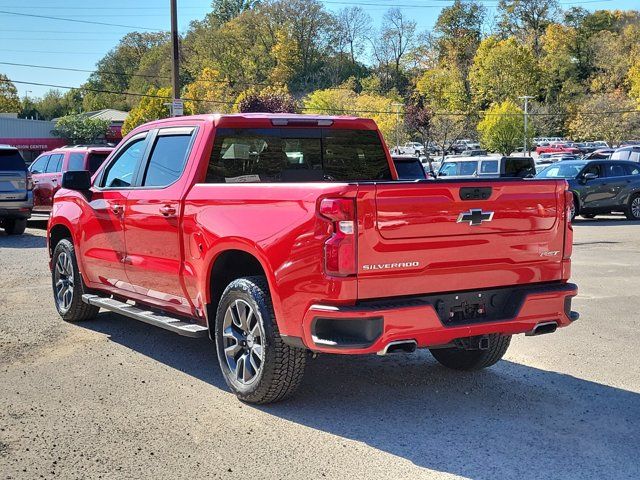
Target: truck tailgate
<point>418,238</point>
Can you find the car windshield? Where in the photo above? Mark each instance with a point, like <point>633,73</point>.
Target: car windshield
<point>561,170</point>
<point>11,159</point>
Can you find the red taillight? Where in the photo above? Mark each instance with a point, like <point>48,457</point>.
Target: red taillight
<point>29,181</point>
<point>340,248</point>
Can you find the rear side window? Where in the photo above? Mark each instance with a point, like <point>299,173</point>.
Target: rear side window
<point>519,167</point>
<point>167,161</point>
<point>11,159</point>
<point>55,163</point>
<point>632,169</point>
<point>95,161</point>
<point>410,170</point>
<point>296,155</point>
<point>489,166</point>
<point>615,170</point>
<point>635,156</point>
<point>76,162</point>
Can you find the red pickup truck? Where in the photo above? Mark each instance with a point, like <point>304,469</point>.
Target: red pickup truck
<point>276,235</point>
<point>559,148</point>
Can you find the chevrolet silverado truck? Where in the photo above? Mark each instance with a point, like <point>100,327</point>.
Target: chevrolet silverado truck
<point>280,235</point>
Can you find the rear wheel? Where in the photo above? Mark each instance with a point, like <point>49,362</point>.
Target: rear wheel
<point>15,226</point>
<point>459,358</point>
<point>588,215</point>
<point>256,364</point>
<point>633,209</point>
<point>68,286</point>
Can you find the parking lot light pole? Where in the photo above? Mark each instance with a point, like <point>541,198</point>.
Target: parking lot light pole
<point>398,106</point>
<point>526,120</point>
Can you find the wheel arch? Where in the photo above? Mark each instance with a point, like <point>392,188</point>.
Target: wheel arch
<point>58,232</point>
<point>231,263</point>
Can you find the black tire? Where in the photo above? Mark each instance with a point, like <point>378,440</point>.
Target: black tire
<point>632,211</point>
<point>281,368</point>
<point>15,226</point>
<point>461,359</point>
<point>76,310</point>
<point>576,208</point>
<point>588,215</point>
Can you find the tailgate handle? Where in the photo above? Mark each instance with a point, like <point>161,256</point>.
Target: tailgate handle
<point>475,193</point>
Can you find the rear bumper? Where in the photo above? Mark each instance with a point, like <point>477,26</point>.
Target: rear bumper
<point>370,326</point>
<point>20,209</point>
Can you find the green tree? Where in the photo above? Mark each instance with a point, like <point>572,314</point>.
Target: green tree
<point>633,81</point>
<point>502,70</point>
<point>209,92</point>
<point>270,99</point>
<point>79,129</point>
<point>226,10</point>
<point>150,108</point>
<point>9,101</point>
<point>459,30</point>
<point>443,89</point>
<point>502,128</point>
<point>526,20</point>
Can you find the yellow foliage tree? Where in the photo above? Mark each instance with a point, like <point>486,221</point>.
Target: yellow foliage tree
<point>209,92</point>
<point>151,107</point>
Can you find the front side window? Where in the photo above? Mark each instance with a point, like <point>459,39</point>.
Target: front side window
<point>296,155</point>
<point>167,160</point>
<point>55,163</point>
<point>76,162</point>
<point>594,168</point>
<point>119,174</point>
<point>40,165</point>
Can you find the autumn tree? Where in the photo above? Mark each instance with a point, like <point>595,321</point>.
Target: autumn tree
<point>9,100</point>
<point>502,69</point>
<point>609,116</point>
<point>443,89</point>
<point>225,10</point>
<point>502,128</point>
<point>354,25</point>
<point>268,100</point>
<point>209,92</point>
<point>151,107</point>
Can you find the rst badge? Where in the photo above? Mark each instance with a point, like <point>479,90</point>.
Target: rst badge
<point>475,216</point>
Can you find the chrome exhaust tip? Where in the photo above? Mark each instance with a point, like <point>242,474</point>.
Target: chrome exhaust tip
<point>399,346</point>
<point>543,328</point>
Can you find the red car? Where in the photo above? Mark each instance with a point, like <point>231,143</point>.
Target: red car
<point>47,170</point>
<point>276,235</point>
<point>558,148</point>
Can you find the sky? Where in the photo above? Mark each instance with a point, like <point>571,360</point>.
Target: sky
<point>31,40</point>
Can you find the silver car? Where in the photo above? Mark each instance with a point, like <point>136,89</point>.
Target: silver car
<point>16,198</point>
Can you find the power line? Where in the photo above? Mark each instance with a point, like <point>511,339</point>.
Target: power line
<point>124,74</point>
<point>91,22</point>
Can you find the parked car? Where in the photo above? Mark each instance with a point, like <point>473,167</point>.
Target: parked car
<point>631,153</point>
<point>599,154</point>
<point>558,157</point>
<point>474,153</point>
<point>558,148</point>
<point>411,148</point>
<point>460,146</point>
<point>409,167</point>
<point>487,167</point>
<point>16,198</point>
<point>276,240</point>
<point>600,186</point>
<point>48,168</point>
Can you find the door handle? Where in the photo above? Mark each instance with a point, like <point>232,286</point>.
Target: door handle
<point>117,209</point>
<point>168,210</point>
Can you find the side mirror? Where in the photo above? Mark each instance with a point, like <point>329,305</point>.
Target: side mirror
<point>77,180</point>
<point>589,176</point>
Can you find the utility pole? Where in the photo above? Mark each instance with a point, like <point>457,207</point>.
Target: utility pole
<point>526,99</point>
<point>398,105</point>
<point>176,109</point>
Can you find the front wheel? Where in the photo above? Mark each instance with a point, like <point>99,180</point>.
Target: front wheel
<point>256,364</point>
<point>15,226</point>
<point>633,209</point>
<point>68,286</point>
<point>459,358</point>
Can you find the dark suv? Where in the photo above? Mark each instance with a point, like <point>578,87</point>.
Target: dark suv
<point>601,186</point>
<point>16,200</point>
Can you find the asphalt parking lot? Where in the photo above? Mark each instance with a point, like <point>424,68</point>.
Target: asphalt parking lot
<point>114,398</point>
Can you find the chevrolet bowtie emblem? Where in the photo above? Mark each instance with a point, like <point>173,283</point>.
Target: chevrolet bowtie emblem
<point>475,216</point>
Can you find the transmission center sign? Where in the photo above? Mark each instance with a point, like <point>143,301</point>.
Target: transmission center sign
<point>177,107</point>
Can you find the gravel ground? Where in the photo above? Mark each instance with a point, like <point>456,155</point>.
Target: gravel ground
<point>114,398</point>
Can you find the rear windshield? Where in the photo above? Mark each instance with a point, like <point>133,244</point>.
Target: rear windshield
<point>95,160</point>
<point>519,167</point>
<point>454,169</point>
<point>410,169</point>
<point>11,160</point>
<point>296,155</point>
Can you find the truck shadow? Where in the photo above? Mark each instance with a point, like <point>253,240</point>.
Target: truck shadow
<point>510,421</point>
<point>26,240</point>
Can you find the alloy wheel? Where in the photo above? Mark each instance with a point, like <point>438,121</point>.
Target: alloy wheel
<point>64,281</point>
<point>635,207</point>
<point>243,342</point>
